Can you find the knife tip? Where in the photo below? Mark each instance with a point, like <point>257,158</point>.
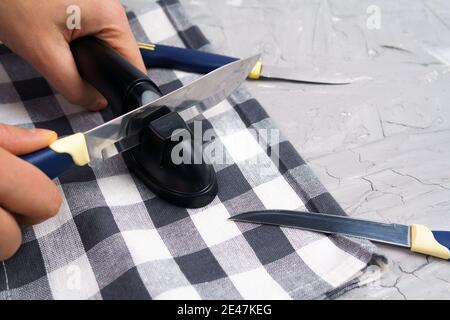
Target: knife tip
<point>241,217</point>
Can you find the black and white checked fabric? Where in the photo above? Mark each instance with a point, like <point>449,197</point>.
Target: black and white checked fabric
<point>114,239</point>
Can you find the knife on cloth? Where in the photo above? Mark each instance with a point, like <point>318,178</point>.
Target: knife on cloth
<point>115,136</point>
<point>162,56</point>
<point>416,237</point>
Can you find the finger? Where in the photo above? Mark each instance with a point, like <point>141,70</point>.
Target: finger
<point>30,220</point>
<point>110,24</point>
<point>62,72</point>
<point>10,235</point>
<point>21,141</point>
<point>125,44</point>
<point>26,190</point>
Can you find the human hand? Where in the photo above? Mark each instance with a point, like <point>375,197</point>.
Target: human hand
<point>37,30</point>
<point>27,196</point>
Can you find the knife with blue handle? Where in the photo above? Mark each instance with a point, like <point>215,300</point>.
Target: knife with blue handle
<point>416,237</point>
<point>60,156</point>
<point>118,80</point>
<point>163,56</point>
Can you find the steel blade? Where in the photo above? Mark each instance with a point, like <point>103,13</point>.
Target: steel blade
<point>396,234</point>
<point>304,74</point>
<point>207,90</point>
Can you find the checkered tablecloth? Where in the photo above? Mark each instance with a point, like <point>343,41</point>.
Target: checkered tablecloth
<point>114,239</point>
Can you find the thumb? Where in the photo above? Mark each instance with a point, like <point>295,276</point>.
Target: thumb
<point>21,141</point>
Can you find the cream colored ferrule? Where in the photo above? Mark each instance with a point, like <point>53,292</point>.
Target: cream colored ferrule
<point>423,241</point>
<point>75,146</point>
<point>256,71</point>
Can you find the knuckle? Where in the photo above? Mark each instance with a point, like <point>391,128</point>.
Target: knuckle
<point>117,7</point>
<point>112,9</point>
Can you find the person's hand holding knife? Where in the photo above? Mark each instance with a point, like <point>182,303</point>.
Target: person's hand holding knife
<point>37,31</point>
<point>27,196</point>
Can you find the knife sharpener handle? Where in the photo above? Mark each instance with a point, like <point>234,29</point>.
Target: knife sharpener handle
<point>162,56</point>
<point>433,243</point>
<point>60,156</point>
<point>120,82</point>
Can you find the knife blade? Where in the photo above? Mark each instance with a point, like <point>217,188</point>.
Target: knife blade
<point>416,237</point>
<point>98,144</point>
<point>305,74</point>
<point>162,56</point>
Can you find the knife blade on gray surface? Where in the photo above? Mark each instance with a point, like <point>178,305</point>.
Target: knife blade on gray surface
<point>303,74</point>
<point>163,56</point>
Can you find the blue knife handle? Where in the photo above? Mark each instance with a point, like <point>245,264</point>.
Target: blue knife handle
<point>162,56</point>
<point>443,237</point>
<point>61,155</point>
<point>50,162</point>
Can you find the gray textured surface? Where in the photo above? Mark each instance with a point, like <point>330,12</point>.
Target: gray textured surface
<point>381,146</point>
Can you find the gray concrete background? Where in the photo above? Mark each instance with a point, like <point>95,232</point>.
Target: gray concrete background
<point>381,146</point>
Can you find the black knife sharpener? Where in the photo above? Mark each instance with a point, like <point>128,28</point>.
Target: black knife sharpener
<point>126,88</point>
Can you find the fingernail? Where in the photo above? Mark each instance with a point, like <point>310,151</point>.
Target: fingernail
<point>46,134</point>
<point>102,103</point>
<point>99,104</point>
